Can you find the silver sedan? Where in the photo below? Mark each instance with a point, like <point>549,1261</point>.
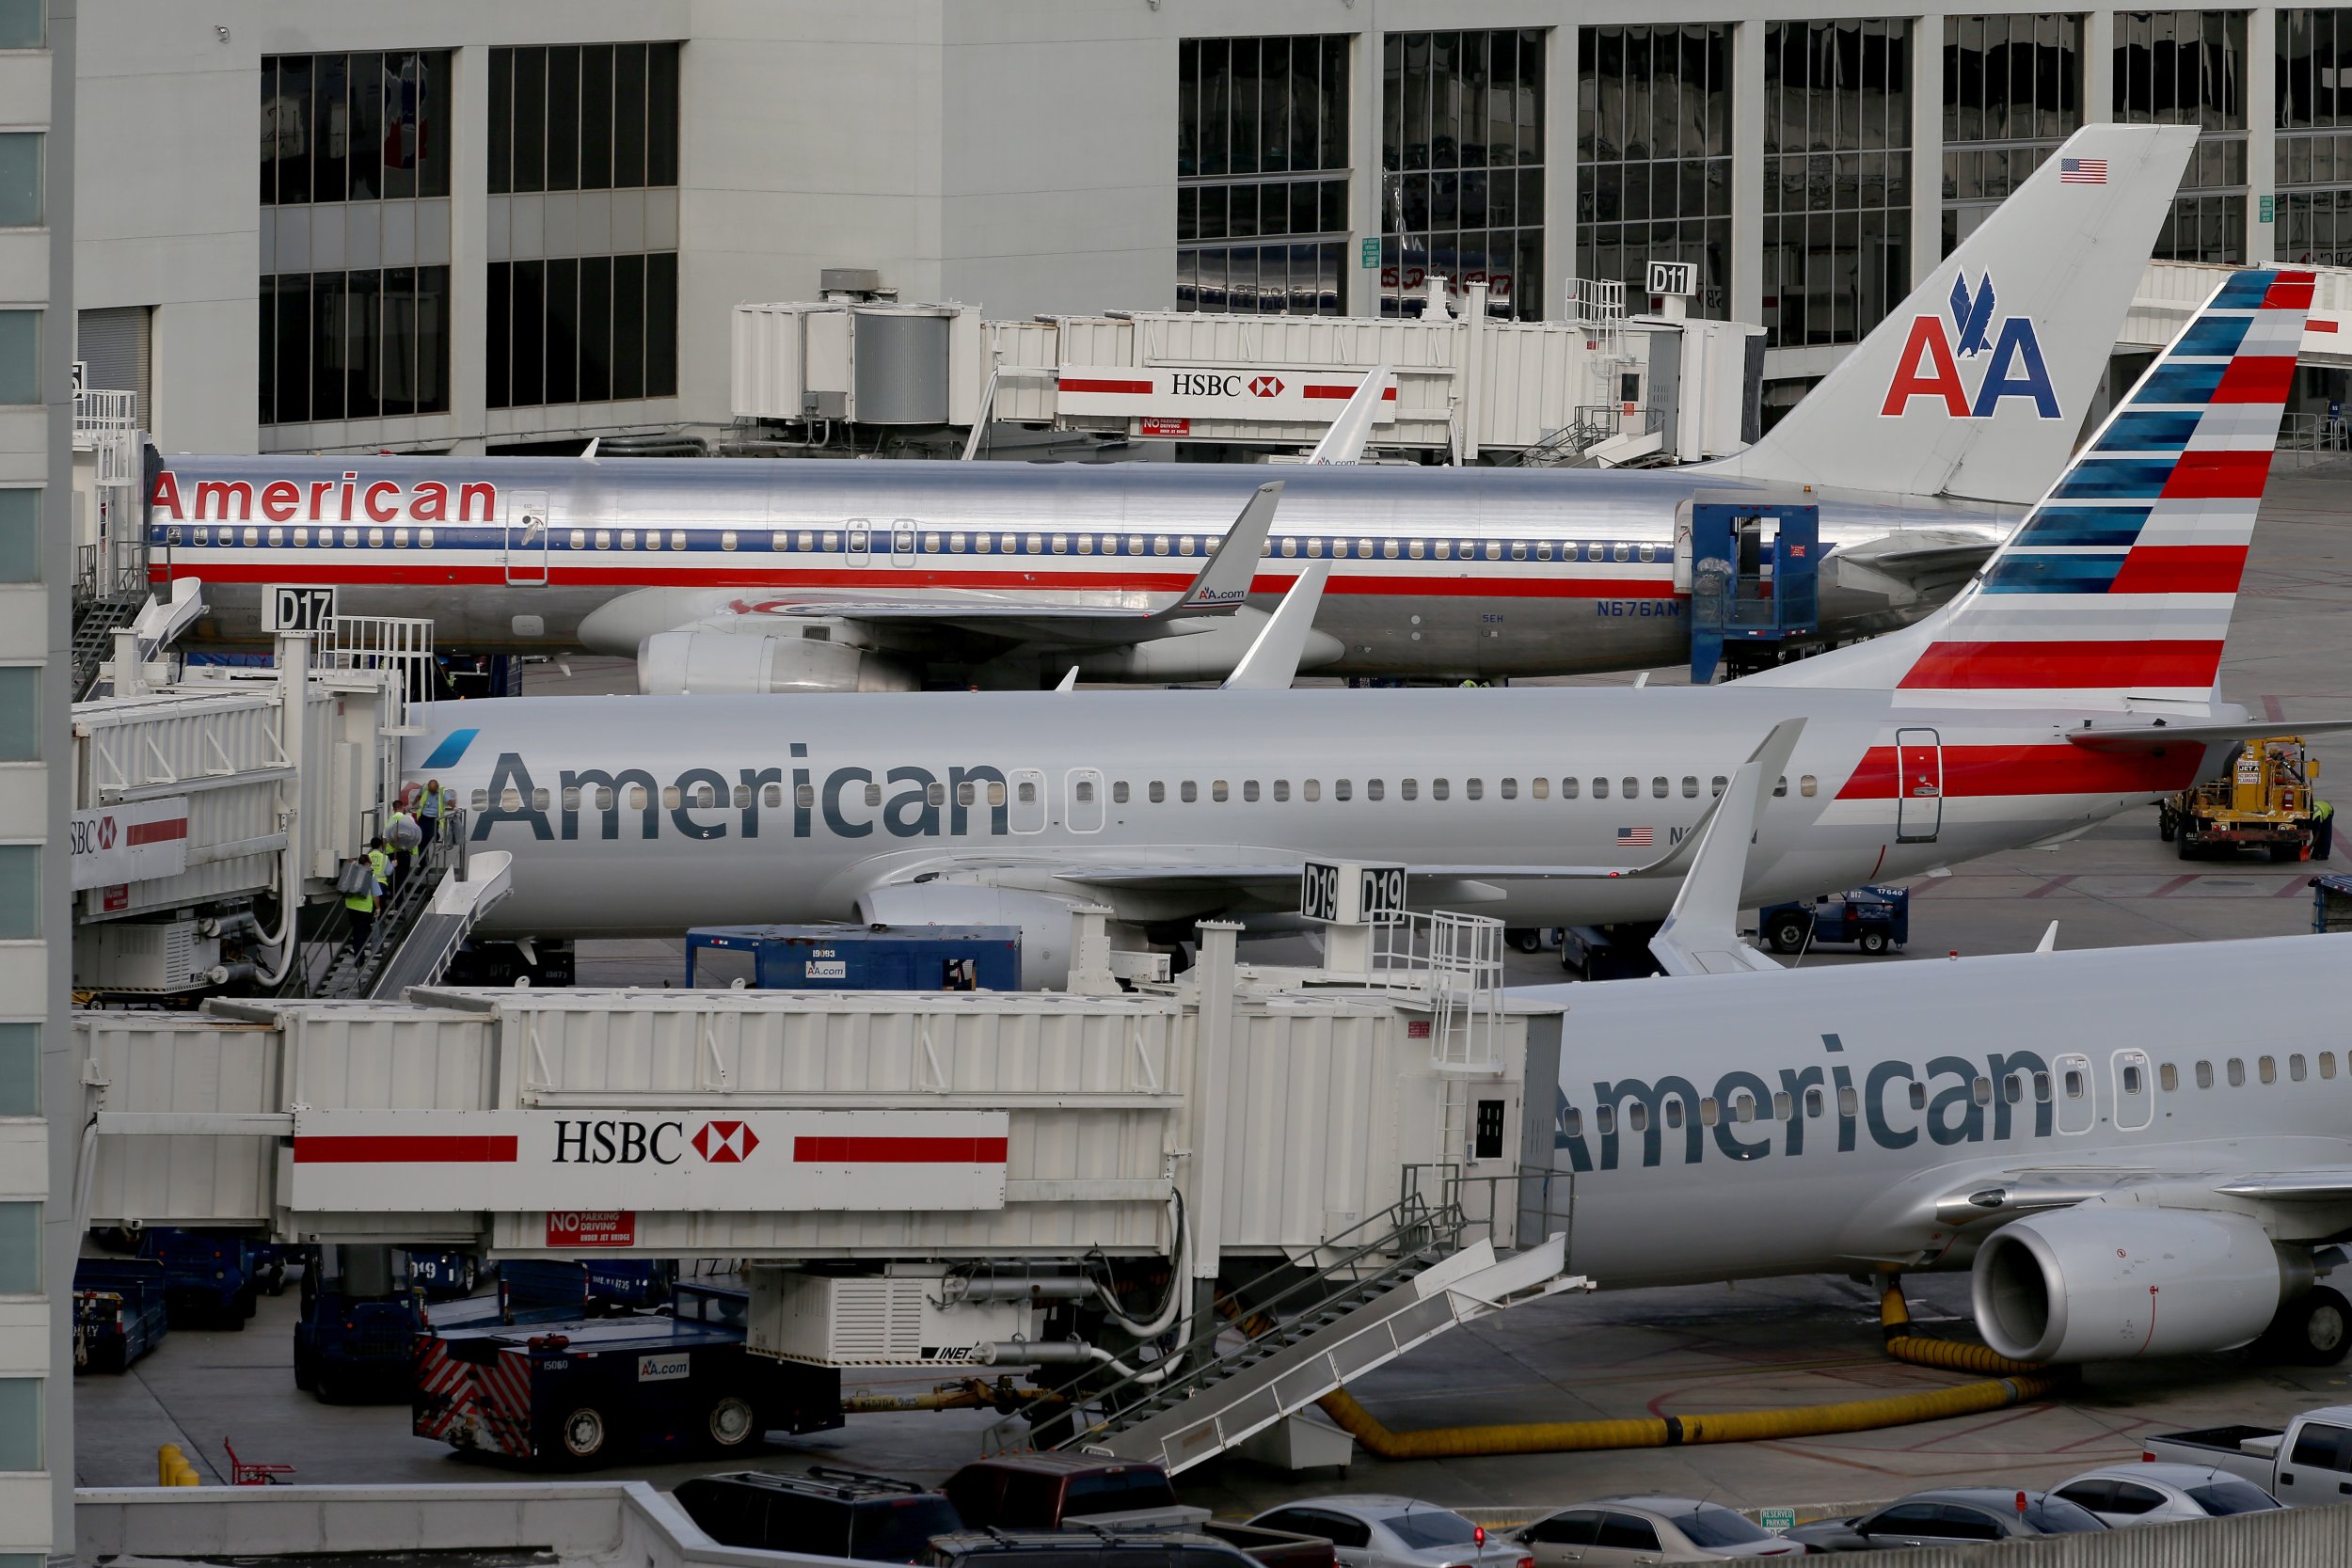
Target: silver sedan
<point>2159,1494</point>
<point>1374,1530</point>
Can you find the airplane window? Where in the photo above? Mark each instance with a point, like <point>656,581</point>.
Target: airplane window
<point>983,542</point>
<point>1780,786</point>
<point>1568,788</point>
<point>1510,789</point>
<point>1469,549</point>
<point>1082,792</point>
<point>1543,551</point>
<point>2268,1067</point>
<point>1183,546</point>
<point>1477,788</point>
<point>1649,552</point>
<point>1710,1112</point>
<point>1410,788</point>
<point>1340,789</point>
<point>1290,547</point>
<point>604,799</point>
<point>874,794</point>
<point>1375,789</point>
<point>2013,1087</point>
<point>705,795</point>
<point>1118,793</point>
<point>1783,1108</point>
<point>937,795</point>
<point>2204,1075</point>
<point>1414,549</point>
<point>2133,1081</point>
<point>677,539</point>
<point>424,538</point>
<point>1029,792</point>
<point>1250,789</point>
<point>1494,550</point>
<point>1445,549</point>
<point>1363,549</point>
<point>278,536</point>
<point>481,800</point>
<point>966,792</point>
<point>1620,553</point>
<point>1313,791</point>
<point>726,539</point>
<point>1637,1118</point>
<point>1539,788</point>
<point>1847,1101</point>
<point>376,538</point>
<point>1918,1096</point>
<point>653,539</point>
<point>1600,788</point>
<point>204,535</point>
<point>671,799</point>
<point>1159,544</point>
<point>2169,1076</point>
<point>1572,1122</point>
<point>1281,791</point>
<point>772,795</point>
<point>2074,1082</point>
<point>1061,543</point>
<point>1981,1089</point>
<point>253,536</point>
<point>1440,790</point>
<point>956,543</point>
<point>1037,543</point>
<point>1518,549</point>
<point>1135,545</point>
<point>2295,1066</point>
<point>604,538</point>
<point>571,797</point>
<point>1743,1107</point>
<point>1158,792</point>
<point>833,541</point>
<point>742,797</point>
<point>1674,1112</point>
<point>1813,1102</point>
<point>1217,790</point>
<point>2237,1072</point>
<point>779,540</point>
<point>1593,552</point>
<point>539,800</point>
<point>1314,547</point>
<point>1110,544</point>
<point>2327,1064</point>
<point>302,538</point>
<point>639,799</point>
<point>1657,788</point>
<point>1010,545</point>
<point>1387,548</point>
<point>628,539</point>
<point>579,538</point>
<point>1605,1117</point>
<point>1807,784</point>
<point>1189,791</point>
<point>1085,544</point>
<point>1629,789</point>
<point>931,544</point>
<point>1338,549</point>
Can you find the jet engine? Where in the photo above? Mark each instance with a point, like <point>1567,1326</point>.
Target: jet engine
<point>2102,1282</point>
<point>710,663</point>
<point>1044,919</point>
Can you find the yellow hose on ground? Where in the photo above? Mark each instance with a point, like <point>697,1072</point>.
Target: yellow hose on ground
<point>2019,1382</point>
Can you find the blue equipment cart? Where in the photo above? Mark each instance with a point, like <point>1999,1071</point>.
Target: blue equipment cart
<point>119,1312</point>
<point>856,957</point>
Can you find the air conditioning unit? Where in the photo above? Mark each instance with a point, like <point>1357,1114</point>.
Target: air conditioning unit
<point>872,1321</point>
<point>154,956</point>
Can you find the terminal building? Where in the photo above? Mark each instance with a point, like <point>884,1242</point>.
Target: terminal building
<point>480,229</point>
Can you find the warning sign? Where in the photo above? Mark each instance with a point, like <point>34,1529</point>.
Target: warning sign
<point>592,1228</point>
<point>1155,426</point>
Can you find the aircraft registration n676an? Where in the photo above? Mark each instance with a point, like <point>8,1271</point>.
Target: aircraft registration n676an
<point>2074,678</point>
<point>1921,449</point>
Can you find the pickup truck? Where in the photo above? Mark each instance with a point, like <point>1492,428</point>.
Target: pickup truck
<point>2307,1465</point>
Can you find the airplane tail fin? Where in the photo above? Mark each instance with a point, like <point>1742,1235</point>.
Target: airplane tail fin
<point>2123,578</point>
<point>1223,582</point>
<point>1977,385</point>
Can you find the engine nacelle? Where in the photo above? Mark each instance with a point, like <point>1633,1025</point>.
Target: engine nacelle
<point>2109,1282</point>
<point>711,663</point>
<point>1044,919</point>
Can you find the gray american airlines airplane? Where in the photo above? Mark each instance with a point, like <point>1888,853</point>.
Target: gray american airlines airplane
<point>1922,449</point>
<point>2074,677</point>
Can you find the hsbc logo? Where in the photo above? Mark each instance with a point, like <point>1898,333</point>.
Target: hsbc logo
<point>1223,384</point>
<point>1266,387</point>
<point>726,1142</point>
<point>2007,361</point>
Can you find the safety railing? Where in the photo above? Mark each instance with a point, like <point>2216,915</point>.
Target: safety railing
<point>2321,433</point>
<point>1516,1207</point>
<point>400,643</point>
<point>1451,964</point>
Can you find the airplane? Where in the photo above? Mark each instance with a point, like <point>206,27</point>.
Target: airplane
<point>2125,1171</point>
<point>729,575</point>
<point>2074,678</point>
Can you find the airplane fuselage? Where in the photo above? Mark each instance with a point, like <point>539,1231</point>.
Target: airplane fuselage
<point>1434,571</point>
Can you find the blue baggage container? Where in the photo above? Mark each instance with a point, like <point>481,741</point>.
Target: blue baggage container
<point>857,958</point>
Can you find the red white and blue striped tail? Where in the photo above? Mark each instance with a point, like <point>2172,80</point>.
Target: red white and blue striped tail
<point>2120,583</point>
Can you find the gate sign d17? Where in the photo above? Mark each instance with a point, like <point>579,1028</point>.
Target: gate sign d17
<point>575,1162</point>
<point>1674,277</point>
<point>1345,894</point>
<point>288,608</point>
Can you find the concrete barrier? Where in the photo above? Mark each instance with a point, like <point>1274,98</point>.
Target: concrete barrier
<point>2288,1538</point>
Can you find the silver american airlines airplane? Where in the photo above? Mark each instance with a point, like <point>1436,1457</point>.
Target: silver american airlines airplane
<point>1921,449</point>
<point>2074,677</point>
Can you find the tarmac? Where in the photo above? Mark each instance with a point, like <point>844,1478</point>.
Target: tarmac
<point>1756,1345</point>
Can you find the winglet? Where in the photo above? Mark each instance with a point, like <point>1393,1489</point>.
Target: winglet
<point>1224,582</point>
<point>1069,681</point>
<point>1701,933</point>
<point>2049,940</point>
<point>1343,443</point>
<point>1272,662</point>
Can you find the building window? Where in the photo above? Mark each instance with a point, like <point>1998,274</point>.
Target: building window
<point>20,535</point>
<point>1461,161</point>
<point>1836,178</point>
<point>20,894</point>
<point>20,1249</point>
<point>355,345</point>
<point>2188,68</point>
<point>20,179</point>
<point>1653,151</point>
<point>19,713</point>
<point>22,22</point>
<point>354,127</point>
<point>582,329</point>
<point>1262,175</point>
<point>584,117</point>
<point>2314,146</point>
<point>20,1070</point>
<point>2012,92</point>
<point>20,356</point>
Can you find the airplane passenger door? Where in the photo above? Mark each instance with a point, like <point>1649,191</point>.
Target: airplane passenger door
<point>902,543</point>
<point>1083,810</point>
<point>1918,786</point>
<point>857,543</point>
<point>2134,1096</point>
<point>527,534</point>
<point>1027,815</point>
<point>2078,1096</point>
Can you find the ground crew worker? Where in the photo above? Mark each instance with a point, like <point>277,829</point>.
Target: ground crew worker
<point>2322,829</point>
<point>404,834</point>
<point>380,864</point>
<point>430,807</point>
<point>359,908</point>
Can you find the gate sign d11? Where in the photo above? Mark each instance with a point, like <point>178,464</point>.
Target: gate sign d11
<point>133,842</point>
<point>1673,278</point>
<point>292,609</point>
<point>580,1162</point>
<point>1345,894</point>
<point>1282,394</point>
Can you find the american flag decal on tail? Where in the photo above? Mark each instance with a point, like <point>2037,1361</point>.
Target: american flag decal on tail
<point>2125,577</point>
<point>2082,171</point>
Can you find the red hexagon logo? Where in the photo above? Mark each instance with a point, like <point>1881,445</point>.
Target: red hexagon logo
<point>1266,387</point>
<point>726,1142</point>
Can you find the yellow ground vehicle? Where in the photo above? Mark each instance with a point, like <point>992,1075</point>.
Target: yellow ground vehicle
<point>2267,800</point>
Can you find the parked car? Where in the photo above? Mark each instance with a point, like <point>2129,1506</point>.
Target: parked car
<point>1649,1529</point>
<point>1946,1517</point>
<point>1046,1491</point>
<point>826,1512</point>
<point>1082,1548</point>
<point>2159,1494</point>
<point>1378,1531</point>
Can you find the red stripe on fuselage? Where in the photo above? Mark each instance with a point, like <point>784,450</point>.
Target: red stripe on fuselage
<point>1993,770</point>
<point>2062,666</point>
<point>2181,569</point>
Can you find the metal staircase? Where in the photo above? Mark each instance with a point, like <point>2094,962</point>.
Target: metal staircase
<point>95,623</point>
<point>1400,1278</point>
<point>420,925</point>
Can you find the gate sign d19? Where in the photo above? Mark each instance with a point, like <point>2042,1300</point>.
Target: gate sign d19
<point>1345,894</point>
<point>578,1162</point>
<point>289,608</point>
<point>1674,277</point>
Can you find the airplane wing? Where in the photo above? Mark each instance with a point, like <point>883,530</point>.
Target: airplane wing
<point>2094,735</point>
<point>1921,555</point>
<point>2029,1190</point>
